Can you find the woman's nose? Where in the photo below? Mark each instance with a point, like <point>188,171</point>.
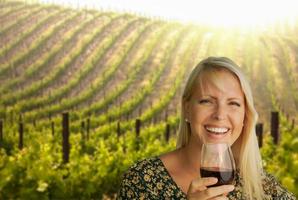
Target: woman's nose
<point>220,113</point>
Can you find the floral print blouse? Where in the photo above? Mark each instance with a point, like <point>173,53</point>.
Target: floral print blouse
<point>149,179</point>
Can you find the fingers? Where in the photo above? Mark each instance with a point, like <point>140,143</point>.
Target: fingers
<point>220,198</point>
<point>201,184</point>
<point>217,192</point>
<point>198,189</point>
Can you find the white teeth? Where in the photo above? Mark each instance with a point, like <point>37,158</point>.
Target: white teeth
<point>217,130</point>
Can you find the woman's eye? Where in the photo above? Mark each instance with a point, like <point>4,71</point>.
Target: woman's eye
<point>204,101</point>
<point>235,104</point>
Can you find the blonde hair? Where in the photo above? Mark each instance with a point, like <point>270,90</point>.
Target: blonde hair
<point>250,162</point>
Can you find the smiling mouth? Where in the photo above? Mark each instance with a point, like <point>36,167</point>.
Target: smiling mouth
<point>217,130</point>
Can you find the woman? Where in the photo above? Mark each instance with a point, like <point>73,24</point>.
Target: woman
<point>217,106</point>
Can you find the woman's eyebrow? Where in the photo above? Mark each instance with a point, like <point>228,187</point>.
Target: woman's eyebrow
<point>229,99</point>
<point>235,98</point>
<point>206,95</point>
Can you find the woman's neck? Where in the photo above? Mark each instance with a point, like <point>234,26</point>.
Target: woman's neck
<point>190,156</point>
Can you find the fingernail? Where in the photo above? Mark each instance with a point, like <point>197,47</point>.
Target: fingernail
<point>230,187</point>
<point>213,179</point>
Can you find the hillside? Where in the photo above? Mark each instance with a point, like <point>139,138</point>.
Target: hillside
<point>112,68</point>
<point>55,59</point>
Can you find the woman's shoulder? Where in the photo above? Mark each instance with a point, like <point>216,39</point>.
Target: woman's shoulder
<point>148,179</point>
<point>133,185</point>
<point>149,170</point>
<point>145,166</point>
<point>274,189</point>
<point>157,164</point>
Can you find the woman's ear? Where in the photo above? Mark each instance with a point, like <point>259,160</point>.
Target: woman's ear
<point>186,109</point>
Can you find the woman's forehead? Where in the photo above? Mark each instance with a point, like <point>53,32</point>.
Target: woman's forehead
<point>220,81</point>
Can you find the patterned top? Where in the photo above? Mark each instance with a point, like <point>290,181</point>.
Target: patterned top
<point>149,179</point>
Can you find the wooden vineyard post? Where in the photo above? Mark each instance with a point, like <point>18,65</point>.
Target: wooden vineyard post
<point>293,124</point>
<point>110,121</point>
<point>53,128</point>
<point>65,134</point>
<point>1,130</point>
<point>138,127</point>
<point>167,132</point>
<point>118,130</point>
<point>259,132</point>
<point>11,117</point>
<point>275,127</point>
<point>83,129</point>
<point>88,128</point>
<point>138,130</point>
<point>21,134</point>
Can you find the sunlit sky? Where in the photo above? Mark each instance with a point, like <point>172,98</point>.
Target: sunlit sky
<point>213,12</point>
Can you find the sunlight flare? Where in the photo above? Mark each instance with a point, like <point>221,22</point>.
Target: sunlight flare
<point>212,12</point>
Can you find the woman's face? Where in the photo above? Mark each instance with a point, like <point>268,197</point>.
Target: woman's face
<point>216,114</point>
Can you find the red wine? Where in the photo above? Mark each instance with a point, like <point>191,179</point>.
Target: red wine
<point>224,176</point>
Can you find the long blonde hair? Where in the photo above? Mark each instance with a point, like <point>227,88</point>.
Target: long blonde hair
<point>250,162</point>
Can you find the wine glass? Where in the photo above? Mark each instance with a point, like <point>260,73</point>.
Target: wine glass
<point>217,161</point>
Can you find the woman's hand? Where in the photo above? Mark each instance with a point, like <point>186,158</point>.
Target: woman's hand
<point>198,189</point>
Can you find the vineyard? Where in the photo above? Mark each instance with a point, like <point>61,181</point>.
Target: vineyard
<point>115,80</point>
